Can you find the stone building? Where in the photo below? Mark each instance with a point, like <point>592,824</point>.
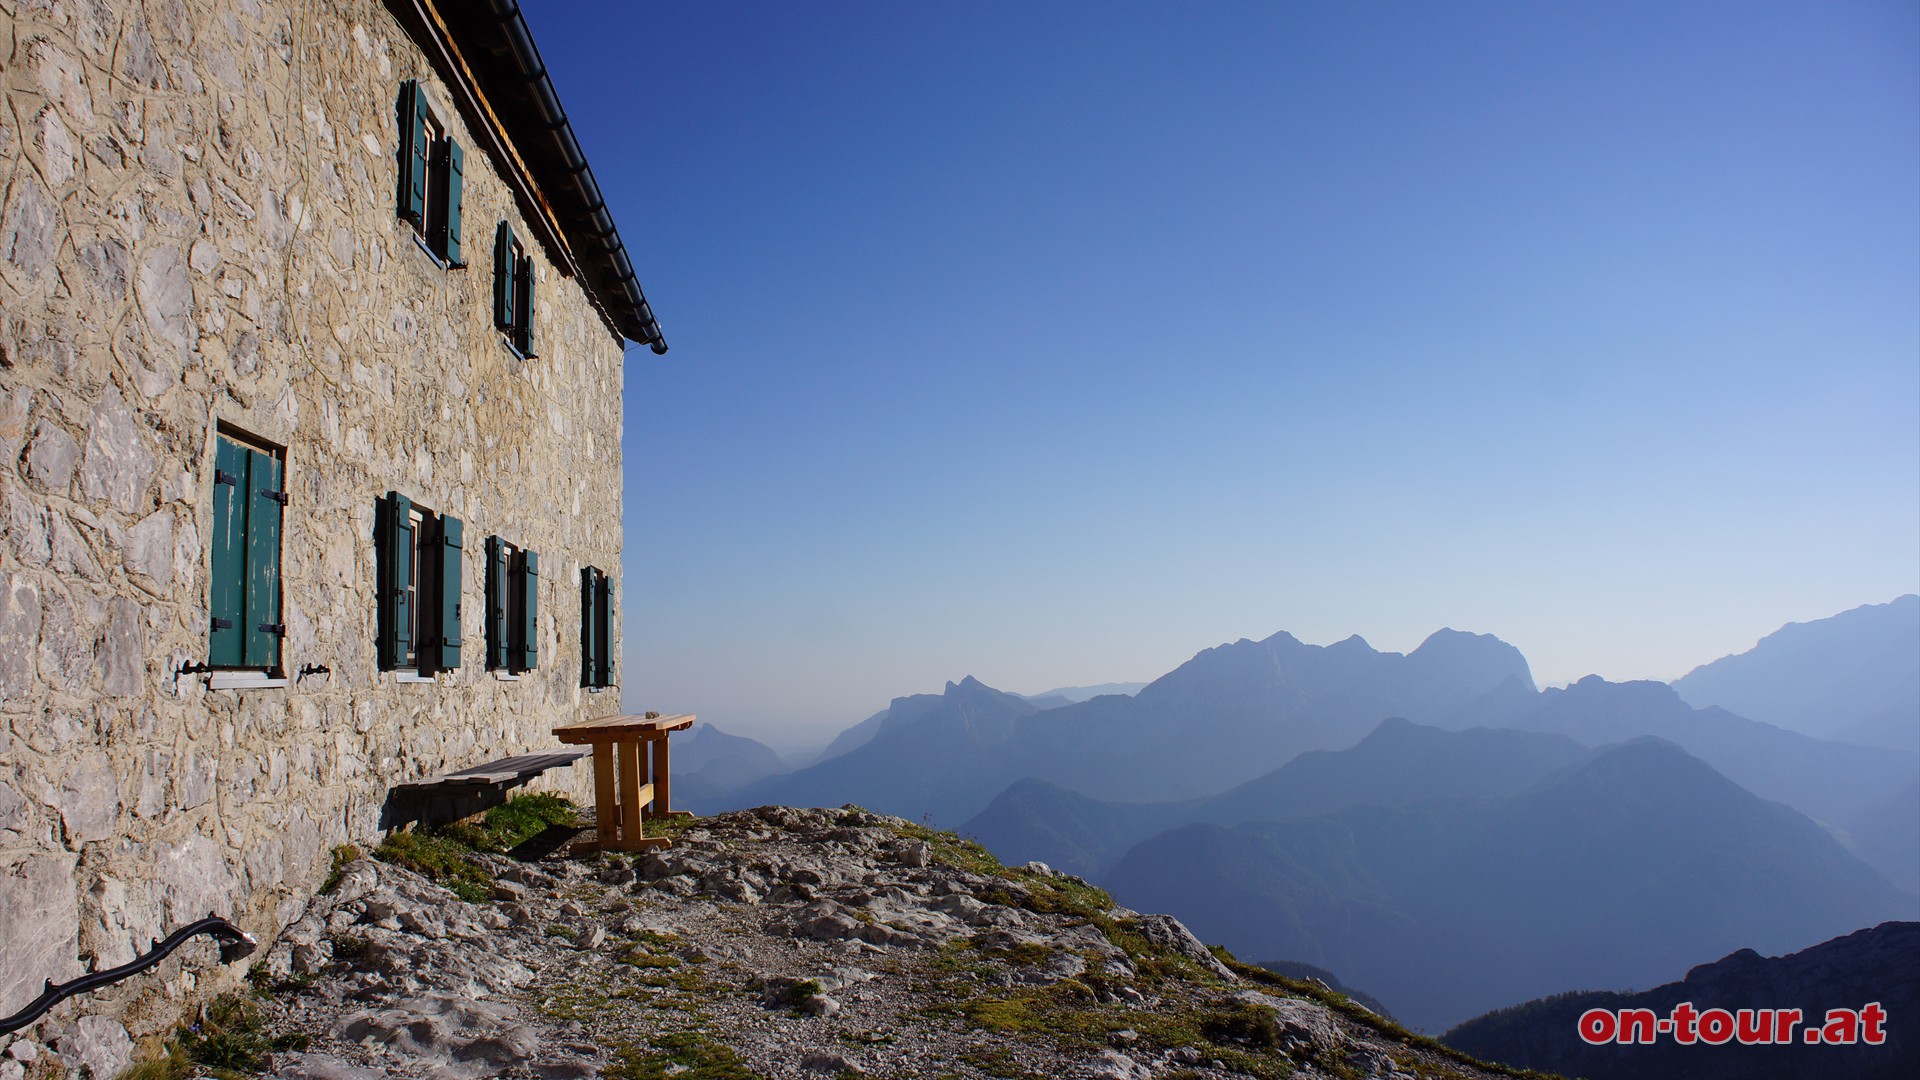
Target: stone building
<point>312,325</point>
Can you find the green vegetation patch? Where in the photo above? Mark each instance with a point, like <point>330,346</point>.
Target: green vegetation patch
<point>682,1055</point>
<point>343,855</point>
<point>1245,1037</point>
<point>642,957</point>
<point>1367,1018</point>
<point>347,947</point>
<point>440,859</point>
<point>1046,894</point>
<point>666,828</point>
<point>521,818</point>
<point>228,1039</point>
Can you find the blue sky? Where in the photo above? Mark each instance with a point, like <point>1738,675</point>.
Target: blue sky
<point>1053,343</point>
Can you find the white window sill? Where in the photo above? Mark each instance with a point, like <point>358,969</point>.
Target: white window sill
<point>406,676</point>
<point>505,676</point>
<point>244,680</point>
<point>438,259</point>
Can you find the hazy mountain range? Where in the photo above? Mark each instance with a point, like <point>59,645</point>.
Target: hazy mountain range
<point>1430,827</point>
<point>1399,762</point>
<point>1851,677</point>
<point>1627,866</point>
<point>1224,717</point>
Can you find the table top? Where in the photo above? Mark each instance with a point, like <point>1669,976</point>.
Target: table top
<point>617,728</point>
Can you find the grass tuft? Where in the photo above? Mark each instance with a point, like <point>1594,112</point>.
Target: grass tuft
<point>682,1055</point>
<point>521,818</point>
<point>343,855</point>
<point>440,859</point>
<point>228,1040</point>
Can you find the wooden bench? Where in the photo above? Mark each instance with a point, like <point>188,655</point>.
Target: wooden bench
<point>507,772</point>
<point>450,796</point>
<point>619,798</point>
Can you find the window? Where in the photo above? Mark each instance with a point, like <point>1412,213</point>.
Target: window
<point>249,496</point>
<point>513,607</point>
<point>432,170</point>
<point>420,579</point>
<point>596,622</point>
<point>513,290</point>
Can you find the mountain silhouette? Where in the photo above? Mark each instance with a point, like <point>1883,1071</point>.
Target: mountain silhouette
<point>1224,717</point>
<point>1845,786</point>
<point>1398,762</point>
<point>1854,677</point>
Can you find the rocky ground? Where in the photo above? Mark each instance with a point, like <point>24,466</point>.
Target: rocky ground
<point>787,943</point>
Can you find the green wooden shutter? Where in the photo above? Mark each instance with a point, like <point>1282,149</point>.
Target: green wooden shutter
<point>226,601</point>
<point>265,497</point>
<point>603,628</point>
<point>504,266</point>
<point>523,307</point>
<point>450,583</point>
<point>589,658</point>
<point>413,153</point>
<point>456,169</point>
<point>526,642</point>
<point>396,574</point>
<point>496,603</point>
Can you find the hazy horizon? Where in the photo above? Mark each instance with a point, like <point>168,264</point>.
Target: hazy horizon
<point>1054,344</point>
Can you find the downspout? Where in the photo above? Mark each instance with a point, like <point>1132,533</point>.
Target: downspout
<point>526,58</point>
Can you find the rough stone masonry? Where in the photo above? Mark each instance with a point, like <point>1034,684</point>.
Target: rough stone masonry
<point>198,227</point>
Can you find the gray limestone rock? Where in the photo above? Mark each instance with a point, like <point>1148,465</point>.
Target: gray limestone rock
<point>88,798</point>
<point>117,463</point>
<point>13,809</point>
<point>30,230</point>
<point>1168,932</point>
<point>52,457</point>
<point>165,291</point>
<point>193,878</point>
<point>39,938</point>
<point>19,635</point>
<point>149,547</point>
<point>101,1047</point>
<point>66,649</point>
<point>122,657</point>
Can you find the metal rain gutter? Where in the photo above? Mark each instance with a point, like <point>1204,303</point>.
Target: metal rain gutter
<point>526,58</point>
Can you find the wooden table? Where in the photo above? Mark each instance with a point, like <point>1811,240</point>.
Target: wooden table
<point>616,754</point>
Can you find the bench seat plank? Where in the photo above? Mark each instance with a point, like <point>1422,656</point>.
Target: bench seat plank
<point>506,770</point>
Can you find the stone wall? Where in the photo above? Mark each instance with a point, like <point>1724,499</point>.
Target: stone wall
<point>198,226</point>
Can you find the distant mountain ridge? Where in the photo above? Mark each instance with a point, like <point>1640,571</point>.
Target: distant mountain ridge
<point>1450,907</point>
<point>1878,964</point>
<point>1398,762</point>
<point>1224,717</point>
<point>1842,785</point>
<point>1083,693</point>
<point>1854,677</point>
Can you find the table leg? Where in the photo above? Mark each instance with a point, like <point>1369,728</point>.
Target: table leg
<point>606,809</point>
<point>631,794</point>
<point>663,779</point>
